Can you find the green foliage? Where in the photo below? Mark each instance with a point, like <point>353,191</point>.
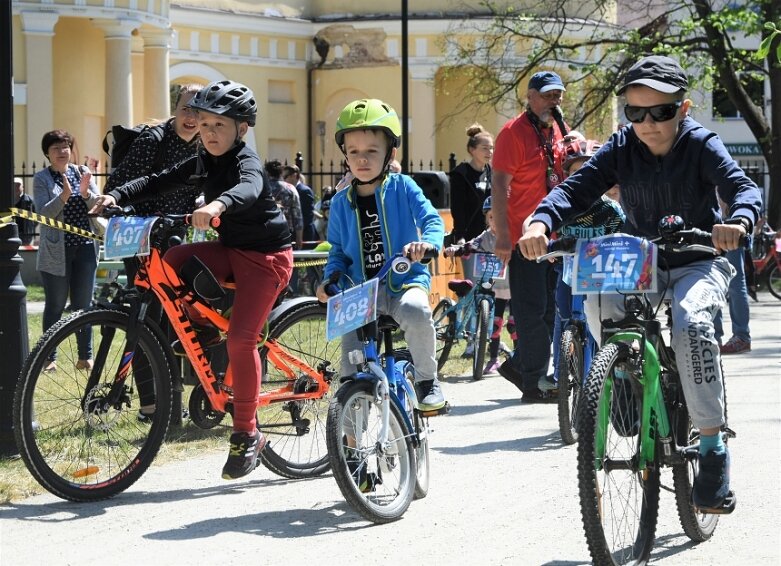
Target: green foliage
<point>764,47</point>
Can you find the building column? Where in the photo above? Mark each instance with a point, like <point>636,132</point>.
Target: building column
<point>423,110</point>
<point>38,29</point>
<point>119,75</point>
<point>157,45</point>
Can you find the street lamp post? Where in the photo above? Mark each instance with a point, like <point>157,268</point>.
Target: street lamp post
<point>14,344</point>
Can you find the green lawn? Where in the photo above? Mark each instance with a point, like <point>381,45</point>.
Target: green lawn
<point>34,293</point>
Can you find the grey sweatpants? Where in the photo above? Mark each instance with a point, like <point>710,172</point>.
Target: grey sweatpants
<point>698,291</point>
<point>413,313</point>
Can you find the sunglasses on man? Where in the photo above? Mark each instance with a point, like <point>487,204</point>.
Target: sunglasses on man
<point>659,113</point>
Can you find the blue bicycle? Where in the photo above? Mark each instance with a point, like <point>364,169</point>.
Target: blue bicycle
<point>576,350</point>
<point>470,318</point>
<point>376,435</point>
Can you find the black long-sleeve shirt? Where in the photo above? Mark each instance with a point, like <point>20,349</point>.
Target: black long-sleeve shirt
<point>252,220</point>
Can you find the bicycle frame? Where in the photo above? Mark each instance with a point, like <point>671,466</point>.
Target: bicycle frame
<point>465,308</point>
<point>156,276</point>
<point>654,420</point>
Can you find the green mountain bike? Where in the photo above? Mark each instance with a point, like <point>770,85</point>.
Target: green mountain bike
<point>633,420</point>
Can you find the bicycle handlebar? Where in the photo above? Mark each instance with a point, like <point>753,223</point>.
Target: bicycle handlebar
<point>186,219</point>
<point>399,263</point>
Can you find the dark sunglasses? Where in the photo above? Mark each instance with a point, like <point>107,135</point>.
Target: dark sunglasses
<point>659,113</point>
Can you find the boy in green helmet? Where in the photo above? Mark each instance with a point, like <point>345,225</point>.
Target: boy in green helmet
<point>378,215</point>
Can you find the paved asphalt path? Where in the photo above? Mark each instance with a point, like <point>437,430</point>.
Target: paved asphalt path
<point>503,491</point>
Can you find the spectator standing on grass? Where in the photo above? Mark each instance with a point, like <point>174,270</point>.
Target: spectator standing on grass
<point>287,199</point>
<point>24,202</point>
<point>67,261</point>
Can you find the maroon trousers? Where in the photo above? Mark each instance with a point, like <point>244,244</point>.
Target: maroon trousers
<point>259,278</point>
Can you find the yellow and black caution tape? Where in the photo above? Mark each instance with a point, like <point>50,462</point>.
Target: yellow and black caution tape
<point>6,220</point>
<point>309,263</point>
<point>52,223</point>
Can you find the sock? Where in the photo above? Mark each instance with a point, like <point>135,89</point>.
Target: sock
<point>712,443</point>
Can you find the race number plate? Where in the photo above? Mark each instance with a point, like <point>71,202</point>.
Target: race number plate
<point>488,266</point>
<point>614,263</point>
<point>127,236</point>
<point>350,310</point>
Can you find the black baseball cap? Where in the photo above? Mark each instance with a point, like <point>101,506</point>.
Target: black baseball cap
<point>657,72</point>
<point>544,81</point>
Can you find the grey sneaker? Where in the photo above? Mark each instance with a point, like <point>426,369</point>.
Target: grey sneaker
<point>430,397</point>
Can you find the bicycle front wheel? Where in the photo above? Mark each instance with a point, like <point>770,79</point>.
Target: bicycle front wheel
<point>295,430</point>
<point>78,441</point>
<point>377,480</point>
<point>481,337</point>
<point>619,502</point>
<point>570,380</point>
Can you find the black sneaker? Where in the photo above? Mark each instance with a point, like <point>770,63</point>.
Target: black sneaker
<point>365,480</point>
<point>711,485</point>
<point>244,452</point>
<point>507,370</point>
<point>539,396</point>
<point>430,397</point>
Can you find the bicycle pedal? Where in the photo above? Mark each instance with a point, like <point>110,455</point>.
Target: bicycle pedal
<point>443,411</point>
<point>727,506</point>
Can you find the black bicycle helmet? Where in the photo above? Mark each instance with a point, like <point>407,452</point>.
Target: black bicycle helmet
<point>227,98</point>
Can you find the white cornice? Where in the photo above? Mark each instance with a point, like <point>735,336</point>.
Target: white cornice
<point>257,25</point>
<point>207,58</point>
<point>97,12</point>
<point>39,23</point>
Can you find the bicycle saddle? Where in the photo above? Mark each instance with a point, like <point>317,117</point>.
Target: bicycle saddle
<point>460,286</point>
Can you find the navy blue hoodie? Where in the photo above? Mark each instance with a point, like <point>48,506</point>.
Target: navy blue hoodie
<point>683,182</point>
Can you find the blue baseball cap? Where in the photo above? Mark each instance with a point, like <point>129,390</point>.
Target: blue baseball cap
<point>544,81</point>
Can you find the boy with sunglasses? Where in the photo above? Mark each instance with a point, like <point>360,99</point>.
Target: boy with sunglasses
<point>666,163</point>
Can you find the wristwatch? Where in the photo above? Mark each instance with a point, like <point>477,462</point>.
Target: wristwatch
<point>740,221</point>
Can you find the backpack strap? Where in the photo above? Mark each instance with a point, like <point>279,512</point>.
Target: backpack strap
<point>158,132</point>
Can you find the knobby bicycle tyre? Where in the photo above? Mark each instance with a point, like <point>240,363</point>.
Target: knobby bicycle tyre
<point>296,430</point>
<point>445,326</point>
<point>419,424</point>
<point>481,337</point>
<point>73,447</point>
<point>619,503</point>
<point>379,485</point>
<point>570,380</point>
<point>774,281</point>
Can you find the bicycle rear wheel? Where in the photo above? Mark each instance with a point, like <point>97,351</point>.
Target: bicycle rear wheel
<point>619,502</point>
<point>570,380</point>
<point>74,446</point>
<point>445,326</point>
<point>377,481</point>
<point>296,430</point>
<point>481,337</point>
<point>419,424</point>
<point>774,281</point>
<point>698,526</point>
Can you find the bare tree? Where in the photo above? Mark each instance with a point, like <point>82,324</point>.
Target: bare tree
<point>594,43</point>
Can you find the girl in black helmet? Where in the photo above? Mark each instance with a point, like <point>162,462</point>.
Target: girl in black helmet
<point>253,247</point>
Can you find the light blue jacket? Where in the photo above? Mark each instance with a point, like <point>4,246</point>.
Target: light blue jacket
<point>51,246</point>
<point>406,215</point>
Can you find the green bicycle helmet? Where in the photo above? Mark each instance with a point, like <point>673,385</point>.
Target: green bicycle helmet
<point>227,98</point>
<point>369,114</point>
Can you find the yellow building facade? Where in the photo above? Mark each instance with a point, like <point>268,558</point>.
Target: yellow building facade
<point>84,65</point>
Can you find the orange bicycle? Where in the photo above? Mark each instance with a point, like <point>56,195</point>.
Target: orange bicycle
<point>77,428</point>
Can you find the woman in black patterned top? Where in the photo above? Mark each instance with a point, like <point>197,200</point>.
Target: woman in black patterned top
<point>147,155</point>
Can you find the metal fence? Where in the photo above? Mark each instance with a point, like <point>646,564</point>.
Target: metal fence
<point>321,175</point>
